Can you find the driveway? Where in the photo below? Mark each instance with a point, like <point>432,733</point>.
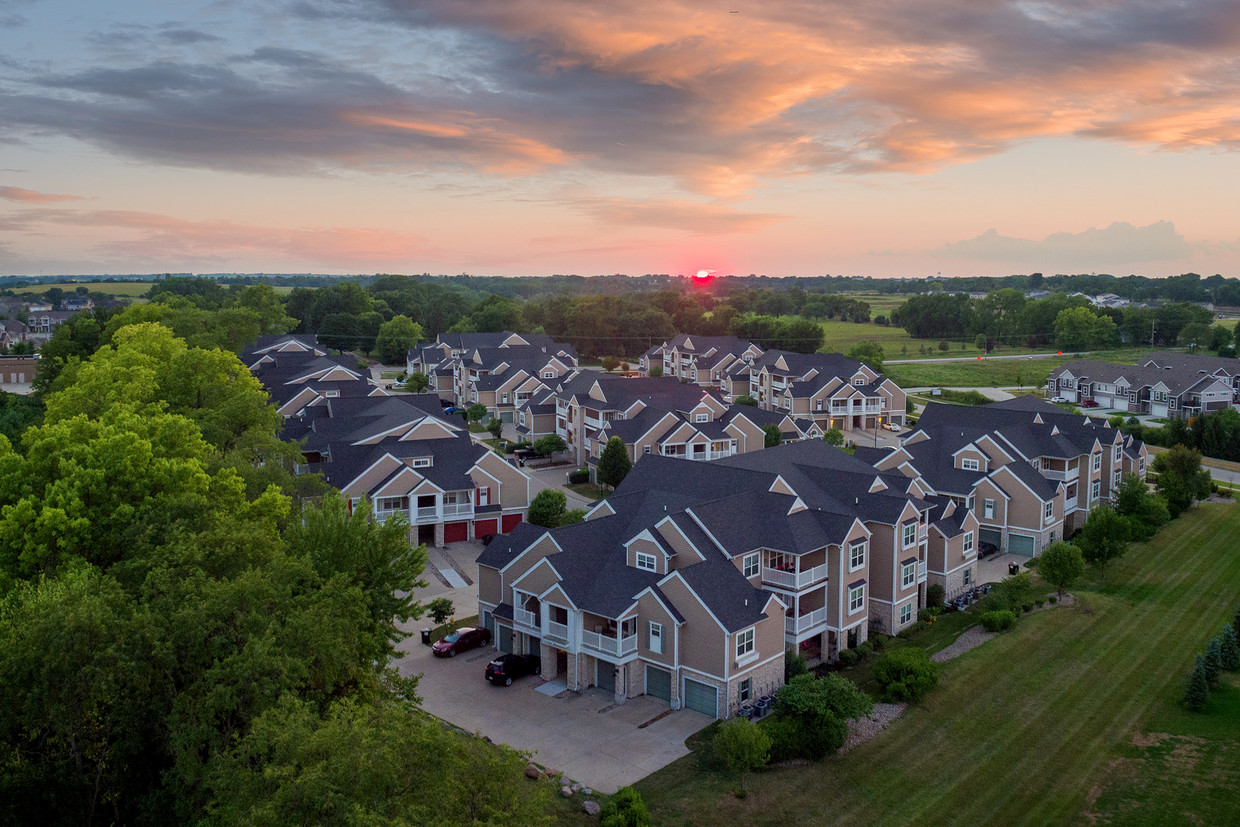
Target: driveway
<point>586,736</point>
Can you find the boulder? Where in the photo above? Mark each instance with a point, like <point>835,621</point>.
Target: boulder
<point>587,791</point>
<point>532,772</point>
<point>576,787</point>
<point>567,792</point>
<point>590,808</point>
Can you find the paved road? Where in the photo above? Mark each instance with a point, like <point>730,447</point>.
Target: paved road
<point>1220,470</point>
<point>974,358</point>
<point>997,394</point>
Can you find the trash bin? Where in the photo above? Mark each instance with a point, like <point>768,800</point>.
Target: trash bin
<point>426,637</point>
<point>1013,568</point>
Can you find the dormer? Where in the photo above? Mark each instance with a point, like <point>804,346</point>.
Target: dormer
<point>971,458</point>
<point>645,553</point>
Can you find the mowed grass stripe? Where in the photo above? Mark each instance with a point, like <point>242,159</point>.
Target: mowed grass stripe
<point>1021,729</point>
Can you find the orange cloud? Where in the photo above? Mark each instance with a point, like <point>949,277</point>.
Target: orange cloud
<point>33,196</point>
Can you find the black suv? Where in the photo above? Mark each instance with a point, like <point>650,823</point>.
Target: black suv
<point>507,668</point>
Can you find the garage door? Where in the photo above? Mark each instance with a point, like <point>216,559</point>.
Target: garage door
<point>1020,544</point>
<point>606,678</point>
<point>1158,410</point>
<point>455,532</point>
<point>484,527</point>
<point>701,698</point>
<point>659,683</point>
<point>511,521</point>
<point>989,535</point>
<point>505,639</point>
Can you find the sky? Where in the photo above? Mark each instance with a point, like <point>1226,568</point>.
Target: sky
<point>881,138</point>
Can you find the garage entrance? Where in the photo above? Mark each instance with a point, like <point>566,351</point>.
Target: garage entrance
<point>510,522</point>
<point>990,535</point>
<point>605,675</point>
<point>455,532</point>
<point>505,639</point>
<point>1021,544</point>
<point>701,698</point>
<point>659,683</point>
<point>426,535</point>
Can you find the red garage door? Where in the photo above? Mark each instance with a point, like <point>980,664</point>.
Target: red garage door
<point>484,527</point>
<point>455,532</point>
<point>511,521</point>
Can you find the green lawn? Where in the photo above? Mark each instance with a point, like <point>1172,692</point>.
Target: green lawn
<point>129,288</point>
<point>588,490</point>
<point>995,373</point>
<point>1052,722</point>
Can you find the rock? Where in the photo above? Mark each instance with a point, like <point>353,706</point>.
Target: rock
<point>576,787</point>
<point>590,808</point>
<point>587,791</point>
<point>567,792</point>
<point>532,772</point>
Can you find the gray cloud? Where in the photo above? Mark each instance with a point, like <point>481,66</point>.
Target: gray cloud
<point>1120,243</point>
<point>184,37</point>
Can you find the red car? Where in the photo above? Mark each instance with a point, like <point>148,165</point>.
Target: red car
<point>1089,403</point>
<point>461,640</point>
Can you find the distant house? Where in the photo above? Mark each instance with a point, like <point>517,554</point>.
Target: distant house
<point>1162,384</point>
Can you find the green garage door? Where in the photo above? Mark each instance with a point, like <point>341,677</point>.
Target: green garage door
<point>1020,544</point>
<point>990,535</point>
<point>505,639</point>
<point>659,683</point>
<point>606,676</point>
<point>701,698</point>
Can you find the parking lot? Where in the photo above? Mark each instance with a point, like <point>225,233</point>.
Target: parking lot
<point>585,735</point>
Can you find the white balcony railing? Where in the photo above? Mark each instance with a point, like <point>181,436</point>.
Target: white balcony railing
<point>556,631</point>
<point>609,645</point>
<point>425,515</point>
<point>921,571</point>
<point>525,618</point>
<point>382,516</point>
<point>458,510</point>
<point>796,624</point>
<point>795,579</point>
<point>718,454</point>
<point>1070,503</point>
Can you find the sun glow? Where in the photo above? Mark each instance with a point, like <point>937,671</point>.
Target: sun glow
<point>703,274</point>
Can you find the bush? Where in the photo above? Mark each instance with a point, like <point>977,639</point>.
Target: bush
<point>1213,661</point>
<point>1041,603</point>
<point>1053,599</point>
<point>794,665</point>
<point>998,621</point>
<point>1009,593</point>
<point>742,746</point>
<point>579,476</point>
<point>849,657</point>
<point>440,609</point>
<point>865,650</point>
<point>934,596</point>
<point>906,674</point>
<point>746,399</point>
<point>625,809</point>
<point>879,641</point>
<point>1026,607</point>
<point>1197,688</point>
<point>1229,649</point>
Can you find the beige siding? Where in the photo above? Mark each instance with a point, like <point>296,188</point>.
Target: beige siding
<point>649,609</point>
<point>702,641</point>
<point>381,470</point>
<point>540,578</point>
<point>557,597</point>
<point>882,562</point>
<point>647,547</point>
<point>489,585</point>
<point>527,560</point>
<point>972,454</point>
<point>514,486</point>
<point>985,489</point>
<point>769,635</point>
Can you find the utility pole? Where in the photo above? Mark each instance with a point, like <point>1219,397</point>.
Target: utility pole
<point>1151,332</point>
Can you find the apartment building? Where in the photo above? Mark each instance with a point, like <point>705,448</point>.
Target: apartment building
<point>1029,471</point>
<point>1167,385</point>
<point>504,379</point>
<point>396,452</point>
<point>690,581</point>
<point>443,361</point>
<point>700,360</point>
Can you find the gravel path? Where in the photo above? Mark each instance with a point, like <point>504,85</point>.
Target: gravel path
<point>971,638</point>
<point>861,730</point>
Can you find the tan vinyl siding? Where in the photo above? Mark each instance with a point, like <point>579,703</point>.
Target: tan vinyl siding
<point>671,533</point>
<point>513,491</point>
<point>489,590</point>
<point>702,641</point>
<point>540,578</point>
<point>974,455</point>
<point>557,597</point>
<point>647,547</point>
<point>381,470</point>
<point>986,489</point>
<point>769,635</point>
<point>527,560</point>
<point>882,560</point>
<point>650,609</point>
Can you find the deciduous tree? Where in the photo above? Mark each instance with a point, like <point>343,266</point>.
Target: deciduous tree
<point>1061,565</point>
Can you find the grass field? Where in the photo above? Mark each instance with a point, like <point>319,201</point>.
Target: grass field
<point>130,289</point>
<point>1073,716</point>
<point>995,373</point>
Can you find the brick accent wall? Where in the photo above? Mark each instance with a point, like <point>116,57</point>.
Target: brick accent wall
<point>766,679</point>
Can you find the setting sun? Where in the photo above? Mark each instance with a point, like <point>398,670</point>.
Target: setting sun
<point>703,274</point>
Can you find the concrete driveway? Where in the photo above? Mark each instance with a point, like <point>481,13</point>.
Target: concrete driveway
<point>586,736</point>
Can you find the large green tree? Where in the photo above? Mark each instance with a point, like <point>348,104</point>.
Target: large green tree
<point>395,338</point>
<point>1103,538</point>
<point>614,463</point>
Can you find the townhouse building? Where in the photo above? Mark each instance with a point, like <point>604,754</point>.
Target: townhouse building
<point>1028,471</point>
<point>1166,385</point>
<point>454,360</point>
<point>504,379</point>
<point>700,360</point>
<point>397,452</point>
<point>689,582</point>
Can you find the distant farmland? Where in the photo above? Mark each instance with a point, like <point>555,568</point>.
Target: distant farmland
<point>128,289</point>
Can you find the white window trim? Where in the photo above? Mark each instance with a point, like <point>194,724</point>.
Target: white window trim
<point>656,636</point>
<point>908,575</point>
<point>988,508</point>
<point>751,561</point>
<point>906,613</point>
<point>641,557</point>
<point>860,591</point>
<point>904,538</point>
<point>968,542</point>
<point>853,548</point>
<point>969,464</point>
<point>746,645</point>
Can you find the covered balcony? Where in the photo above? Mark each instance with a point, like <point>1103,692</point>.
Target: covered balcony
<point>794,571</point>
<point>807,616</point>
<point>602,635</point>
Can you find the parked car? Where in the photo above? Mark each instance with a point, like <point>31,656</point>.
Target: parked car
<point>1089,403</point>
<point>891,426</point>
<point>507,668</point>
<point>985,550</point>
<point>1058,399</point>
<point>462,640</point>
<point>455,409</point>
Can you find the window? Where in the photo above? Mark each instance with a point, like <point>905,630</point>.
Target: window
<point>908,575</point>
<point>910,534</point>
<point>744,643</point>
<point>744,692</point>
<point>906,613</point>
<point>856,555</point>
<point>968,542</point>
<point>645,449</point>
<point>750,564</point>
<point>420,462</point>
<point>856,598</point>
<point>1048,510</point>
<point>969,464</point>
<point>331,394</point>
<point>548,374</point>
<point>656,638</point>
<point>484,495</point>
<point>818,404</point>
<point>968,576</point>
<point>1095,490</point>
<point>1116,479</point>
<point>646,562</point>
<point>503,398</point>
<point>988,508</point>
<point>1115,457</point>
<point>701,417</point>
<point>391,503</point>
<point>860,380</point>
<point>1097,464</point>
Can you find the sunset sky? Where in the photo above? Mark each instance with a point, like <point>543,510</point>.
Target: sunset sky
<point>529,137</point>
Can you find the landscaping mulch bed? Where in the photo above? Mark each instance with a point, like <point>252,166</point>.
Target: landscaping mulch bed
<point>970,638</point>
<point>861,730</point>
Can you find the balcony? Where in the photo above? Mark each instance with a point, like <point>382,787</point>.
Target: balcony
<point>429,514</point>
<point>382,516</point>
<point>921,572</point>
<point>616,647</point>
<point>1069,503</point>
<point>556,632</point>
<point>1061,475</point>
<point>526,618</point>
<point>795,625</point>
<point>458,510</point>
<point>794,579</point>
